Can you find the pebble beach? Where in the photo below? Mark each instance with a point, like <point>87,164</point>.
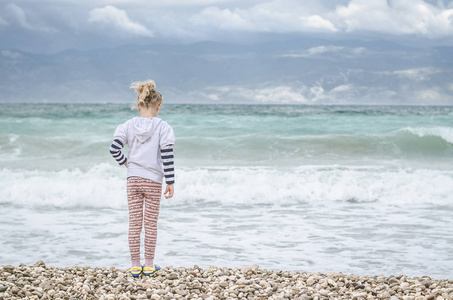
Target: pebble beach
<point>39,281</point>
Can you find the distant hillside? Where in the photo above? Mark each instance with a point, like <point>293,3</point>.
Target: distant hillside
<point>295,71</point>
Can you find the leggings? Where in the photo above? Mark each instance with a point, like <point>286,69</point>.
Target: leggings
<point>141,190</point>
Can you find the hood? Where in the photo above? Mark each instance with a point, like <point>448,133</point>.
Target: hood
<point>143,128</point>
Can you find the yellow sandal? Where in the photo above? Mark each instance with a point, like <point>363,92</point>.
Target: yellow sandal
<point>136,271</point>
<point>151,271</point>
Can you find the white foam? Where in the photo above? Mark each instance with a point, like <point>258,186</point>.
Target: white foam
<point>446,133</point>
<point>98,187</point>
<point>270,186</point>
<point>104,185</point>
<point>12,138</point>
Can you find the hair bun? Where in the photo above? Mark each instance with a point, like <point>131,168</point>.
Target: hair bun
<point>147,93</point>
<point>144,87</point>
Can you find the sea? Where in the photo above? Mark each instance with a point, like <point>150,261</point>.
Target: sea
<point>366,190</point>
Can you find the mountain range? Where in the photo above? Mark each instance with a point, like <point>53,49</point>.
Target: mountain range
<point>303,70</point>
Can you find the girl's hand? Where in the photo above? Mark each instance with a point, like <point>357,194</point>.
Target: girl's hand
<point>125,164</point>
<point>170,190</point>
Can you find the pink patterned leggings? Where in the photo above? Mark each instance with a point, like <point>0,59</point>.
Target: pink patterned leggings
<point>139,191</point>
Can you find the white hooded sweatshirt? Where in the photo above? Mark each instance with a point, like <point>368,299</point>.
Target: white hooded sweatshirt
<point>146,138</point>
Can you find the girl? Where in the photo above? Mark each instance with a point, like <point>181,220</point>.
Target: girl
<point>150,158</point>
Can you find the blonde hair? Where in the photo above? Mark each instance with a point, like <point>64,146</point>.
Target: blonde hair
<point>147,94</point>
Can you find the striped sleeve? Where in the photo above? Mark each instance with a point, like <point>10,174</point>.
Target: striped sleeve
<point>115,150</point>
<point>168,161</point>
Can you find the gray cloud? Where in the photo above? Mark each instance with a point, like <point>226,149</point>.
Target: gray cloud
<point>271,16</point>
<point>311,51</point>
<point>117,19</point>
<point>395,17</point>
<point>350,93</point>
<point>18,16</point>
<point>81,24</point>
<point>17,13</point>
<point>327,50</point>
<point>381,16</point>
<point>3,22</point>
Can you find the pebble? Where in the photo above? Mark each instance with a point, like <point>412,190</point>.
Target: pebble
<point>310,281</point>
<point>404,285</point>
<point>39,281</point>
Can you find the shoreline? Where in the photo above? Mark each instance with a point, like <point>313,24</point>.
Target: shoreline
<point>39,281</point>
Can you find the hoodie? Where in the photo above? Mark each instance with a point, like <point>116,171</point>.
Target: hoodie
<point>150,142</point>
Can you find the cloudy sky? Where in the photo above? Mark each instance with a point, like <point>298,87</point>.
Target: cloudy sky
<point>49,26</point>
<point>344,51</point>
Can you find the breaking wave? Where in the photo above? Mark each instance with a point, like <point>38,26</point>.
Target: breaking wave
<point>104,186</point>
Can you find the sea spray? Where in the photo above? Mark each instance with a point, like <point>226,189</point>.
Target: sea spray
<point>103,186</point>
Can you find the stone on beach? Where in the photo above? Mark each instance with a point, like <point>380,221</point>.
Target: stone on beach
<point>40,281</point>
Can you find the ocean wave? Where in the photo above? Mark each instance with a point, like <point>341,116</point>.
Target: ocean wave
<point>430,145</point>
<point>99,187</point>
<point>432,142</point>
<point>442,133</point>
<point>104,186</point>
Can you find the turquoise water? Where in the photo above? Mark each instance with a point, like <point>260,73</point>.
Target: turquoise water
<point>236,135</point>
<point>365,189</point>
